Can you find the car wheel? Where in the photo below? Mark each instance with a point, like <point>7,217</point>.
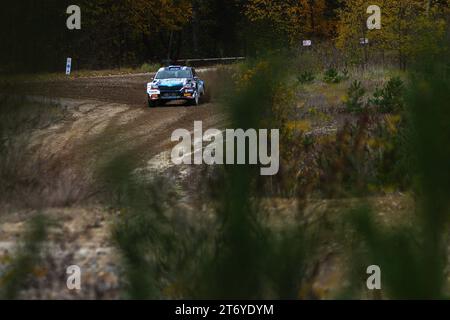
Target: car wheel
<point>152,103</point>
<point>196,100</point>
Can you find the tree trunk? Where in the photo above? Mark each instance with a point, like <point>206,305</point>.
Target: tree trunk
<point>428,6</point>
<point>195,26</point>
<point>169,50</point>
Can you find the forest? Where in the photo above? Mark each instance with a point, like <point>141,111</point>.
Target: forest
<point>124,33</point>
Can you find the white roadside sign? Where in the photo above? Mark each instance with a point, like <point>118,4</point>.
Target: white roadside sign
<point>364,41</point>
<point>68,66</point>
<point>307,43</point>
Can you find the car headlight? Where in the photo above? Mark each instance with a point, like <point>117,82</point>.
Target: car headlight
<point>154,86</point>
<point>189,85</point>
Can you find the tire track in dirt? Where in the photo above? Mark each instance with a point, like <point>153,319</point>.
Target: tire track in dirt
<point>102,117</point>
<point>107,117</point>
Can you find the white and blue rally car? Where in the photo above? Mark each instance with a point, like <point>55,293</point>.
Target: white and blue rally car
<point>175,83</point>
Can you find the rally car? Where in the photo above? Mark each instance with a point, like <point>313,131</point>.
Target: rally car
<point>175,83</point>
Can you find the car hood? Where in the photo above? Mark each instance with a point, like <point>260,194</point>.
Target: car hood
<point>171,82</point>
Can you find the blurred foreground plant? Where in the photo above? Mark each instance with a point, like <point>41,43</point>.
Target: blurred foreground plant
<point>25,261</point>
<point>153,243</point>
<point>413,256</point>
<point>249,259</point>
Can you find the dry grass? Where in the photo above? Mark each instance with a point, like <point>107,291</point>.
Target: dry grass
<point>76,74</point>
<point>31,178</point>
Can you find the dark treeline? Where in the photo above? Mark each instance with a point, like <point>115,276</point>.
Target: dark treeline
<point>118,33</point>
<point>128,33</point>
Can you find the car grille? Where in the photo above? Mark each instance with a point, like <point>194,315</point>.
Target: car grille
<point>171,88</point>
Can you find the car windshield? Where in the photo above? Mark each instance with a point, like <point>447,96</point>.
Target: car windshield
<point>173,74</point>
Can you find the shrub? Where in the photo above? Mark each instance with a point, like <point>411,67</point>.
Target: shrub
<point>333,76</point>
<point>355,94</point>
<point>18,275</point>
<point>345,74</point>
<point>389,98</point>
<point>306,77</point>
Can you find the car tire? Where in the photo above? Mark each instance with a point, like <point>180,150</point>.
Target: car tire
<point>195,101</point>
<point>152,103</point>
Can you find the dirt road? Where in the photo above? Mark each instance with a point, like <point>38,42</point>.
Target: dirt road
<point>115,108</point>
<point>102,117</point>
<point>127,89</point>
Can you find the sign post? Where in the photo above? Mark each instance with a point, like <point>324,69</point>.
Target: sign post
<point>68,66</point>
<point>364,41</point>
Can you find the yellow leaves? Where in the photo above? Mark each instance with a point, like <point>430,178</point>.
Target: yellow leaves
<point>385,142</point>
<point>380,144</point>
<point>352,23</point>
<point>244,78</point>
<point>5,259</point>
<point>392,122</point>
<point>173,291</point>
<point>373,143</point>
<point>296,18</point>
<point>170,14</point>
<point>143,15</point>
<point>326,139</point>
<point>326,283</point>
<point>389,189</point>
<point>322,116</point>
<point>299,125</point>
<point>39,272</point>
<point>406,24</point>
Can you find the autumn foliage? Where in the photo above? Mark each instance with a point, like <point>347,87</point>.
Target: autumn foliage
<point>123,33</point>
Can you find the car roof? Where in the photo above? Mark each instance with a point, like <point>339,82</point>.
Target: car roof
<point>169,68</point>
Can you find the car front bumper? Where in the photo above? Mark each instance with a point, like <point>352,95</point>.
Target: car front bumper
<point>183,94</point>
